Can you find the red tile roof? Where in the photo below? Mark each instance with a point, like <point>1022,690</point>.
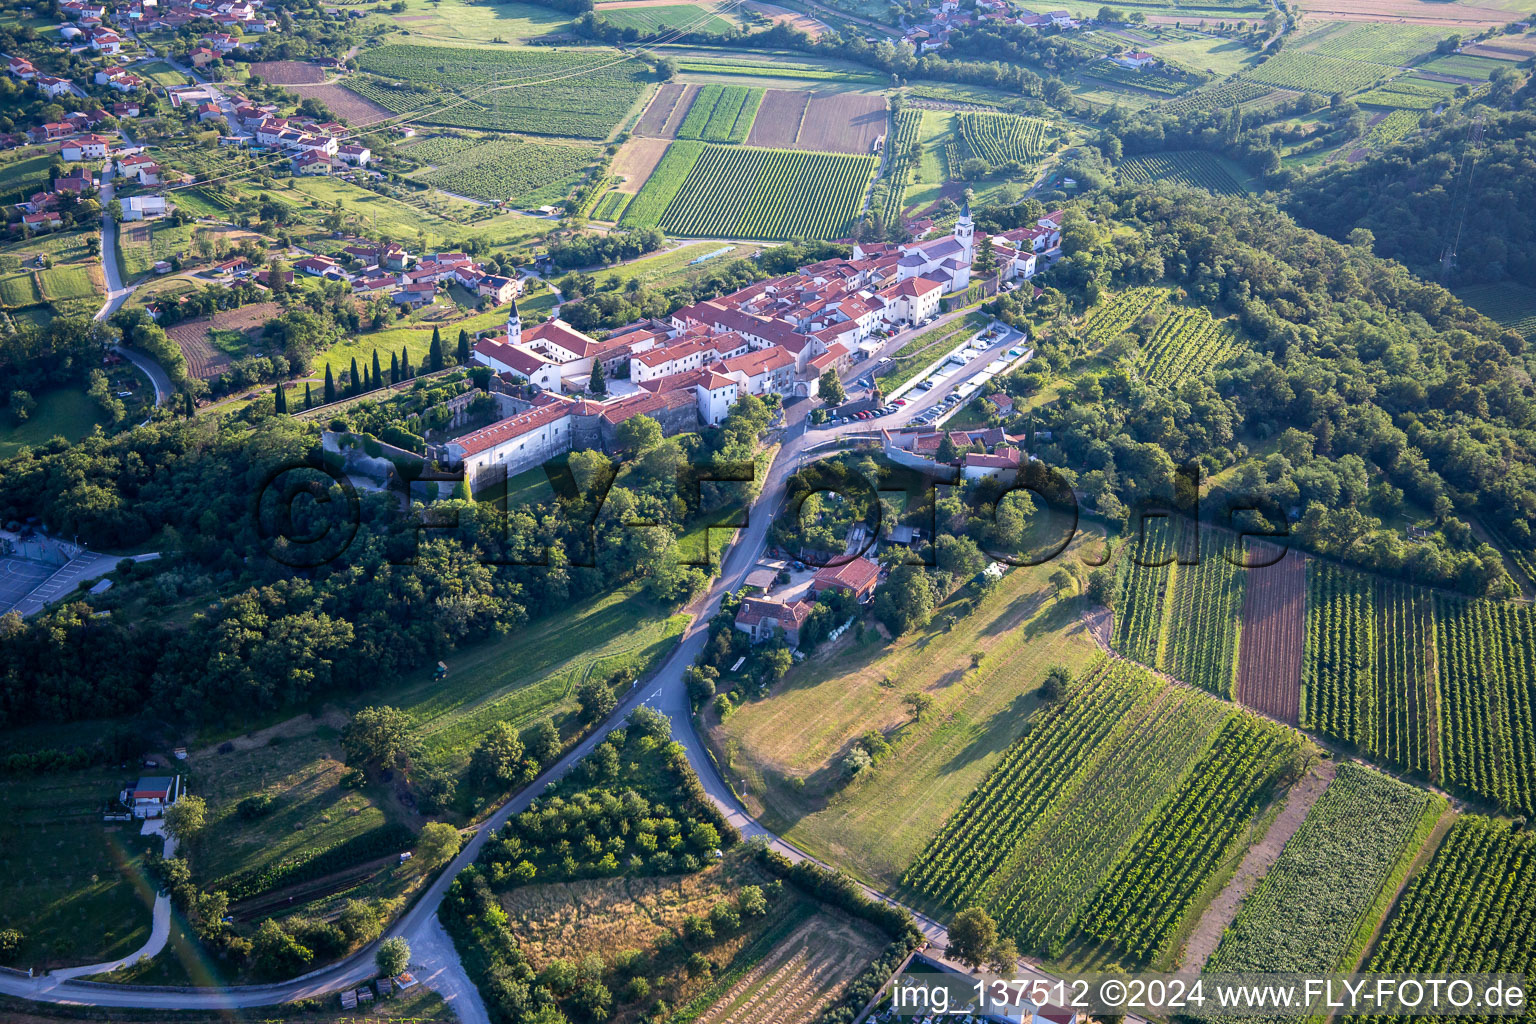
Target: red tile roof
<point>858,576</point>
<point>510,428</point>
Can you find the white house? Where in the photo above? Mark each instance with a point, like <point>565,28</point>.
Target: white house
<point>144,207</point>
<point>152,794</point>
<point>1136,61</point>
<point>86,147</point>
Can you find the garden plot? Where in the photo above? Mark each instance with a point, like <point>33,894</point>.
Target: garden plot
<point>779,118</point>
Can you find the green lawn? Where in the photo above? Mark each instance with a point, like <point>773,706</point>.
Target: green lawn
<point>61,246</point>
<point>20,178</point>
<point>75,887</point>
<point>18,290</point>
<point>65,412</point>
<point>786,749</point>
<point>165,240</point>
<point>1208,53</point>
<point>456,22</point>
<point>675,264</point>
<point>381,214</point>
<point>161,73</point>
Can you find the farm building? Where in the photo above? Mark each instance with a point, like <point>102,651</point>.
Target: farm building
<point>858,577</point>
<point>152,794</point>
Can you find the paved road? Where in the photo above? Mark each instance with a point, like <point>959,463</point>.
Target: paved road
<point>432,957</point>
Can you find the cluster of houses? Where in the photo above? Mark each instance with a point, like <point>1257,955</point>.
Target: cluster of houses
<point>242,17</point>
<point>933,33</point>
<point>774,337</point>
<point>388,269</point>
<point>767,616</point>
<point>40,211</point>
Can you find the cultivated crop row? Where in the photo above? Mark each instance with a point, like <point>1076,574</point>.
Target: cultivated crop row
<point>578,94</point>
<point>611,205</point>
<point>1187,343</point>
<point>1472,910</point>
<point>1310,72</point>
<point>721,113</point>
<point>1054,874</point>
<point>1142,590</point>
<point>737,192</point>
<point>510,168</point>
<point>1307,910</point>
<point>1163,80</point>
<point>1274,631</point>
<point>1396,125</point>
<point>1111,319</point>
<point>665,182</point>
<point>1193,168</point>
<point>1205,619</point>
<point>969,846</point>
<point>892,188</point>
<point>1156,884</point>
<point>1228,94</point>
<point>1000,138</point>
<point>1486,653</point>
<point>1408,94</point>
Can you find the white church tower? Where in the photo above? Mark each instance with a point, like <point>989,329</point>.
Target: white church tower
<point>965,232</point>
<point>514,325</point>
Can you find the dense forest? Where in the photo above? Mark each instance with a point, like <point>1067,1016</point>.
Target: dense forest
<point>1367,392</point>
<point>1436,190</point>
<point>393,598</point>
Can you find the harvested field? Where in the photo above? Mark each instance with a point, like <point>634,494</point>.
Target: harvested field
<point>195,337</point>
<point>344,103</point>
<point>666,111</point>
<point>287,72</point>
<point>1274,626</point>
<point>842,122</point>
<point>785,966</point>
<point>778,119</point>
<point>796,19</point>
<point>635,161</point>
<point>1413,12</point>
<point>1504,48</point>
<point>800,977</point>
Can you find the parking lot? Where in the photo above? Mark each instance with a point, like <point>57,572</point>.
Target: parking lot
<point>18,578</point>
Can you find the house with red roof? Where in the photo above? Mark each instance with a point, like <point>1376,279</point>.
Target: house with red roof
<point>764,618</point>
<point>857,576</point>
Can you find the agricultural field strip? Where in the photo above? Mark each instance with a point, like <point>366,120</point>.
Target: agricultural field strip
<point>1069,797</point>
<point>742,192</point>
<point>1431,683</point>
<point>1165,871</point>
<point>1002,138</point>
<point>1193,168</point>
<point>1310,905</point>
<point>1472,910</point>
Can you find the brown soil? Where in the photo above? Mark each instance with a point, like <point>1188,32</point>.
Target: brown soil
<point>636,160</point>
<point>778,119</point>
<point>842,122</point>
<point>355,110</point>
<point>666,110</point>
<point>287,72</point>
<point>804,22</point>
<point>1256,864</point>
<point>1417,12</point>
<point>1274,623</point>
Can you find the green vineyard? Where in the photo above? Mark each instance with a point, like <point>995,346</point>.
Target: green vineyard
<point>1184,619</point>
<point>1513,305</point>
<point>1486,655</point>
<point>721,113</point>
<point>1327,884</point>
<point>579,94</point>
<point>1052,841</point>
<point>1472,910</point>
<point>1153,888</point>
<point>737,192</point>
<point>1296,69</point>
<point>1227,94</point>
<point>1194,168</point>
<point>1409,94</point>
<point>890,192</point>
<point>611,205</point>
<point>527,173</point>
<point>1001,138</point>
<point>1187,343</point>
<point>1365,673</point>
<point>1432,684</point>
<point>665,182</point>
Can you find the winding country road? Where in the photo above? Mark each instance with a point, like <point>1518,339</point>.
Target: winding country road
<point>433,957</point>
